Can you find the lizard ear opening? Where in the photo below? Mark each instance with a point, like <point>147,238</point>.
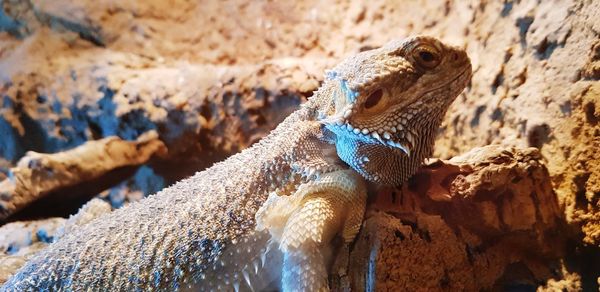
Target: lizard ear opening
<point>373,98</point>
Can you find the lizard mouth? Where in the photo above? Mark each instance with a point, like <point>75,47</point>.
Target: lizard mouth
<point>397,135</point>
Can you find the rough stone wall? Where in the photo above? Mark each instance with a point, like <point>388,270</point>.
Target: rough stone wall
<point>212,77</point>
<point>19,241</point>
<point>485,220</point>
<point>535,84</point>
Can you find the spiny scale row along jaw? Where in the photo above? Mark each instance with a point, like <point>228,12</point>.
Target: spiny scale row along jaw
<point>393,97</point>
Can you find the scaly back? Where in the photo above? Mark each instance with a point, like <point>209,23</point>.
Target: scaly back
<point>377,111</point>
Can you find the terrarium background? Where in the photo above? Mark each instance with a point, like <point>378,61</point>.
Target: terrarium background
<point>212,77</point>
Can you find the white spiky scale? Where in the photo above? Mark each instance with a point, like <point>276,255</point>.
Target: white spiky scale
<point>405,149</point>
<point>410,138</point>
<point>247,277</point>
<point>347,113</point>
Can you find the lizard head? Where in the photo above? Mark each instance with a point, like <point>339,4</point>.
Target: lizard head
<point>388,103</point>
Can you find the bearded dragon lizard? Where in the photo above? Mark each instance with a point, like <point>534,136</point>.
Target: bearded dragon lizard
<point>282,200</point>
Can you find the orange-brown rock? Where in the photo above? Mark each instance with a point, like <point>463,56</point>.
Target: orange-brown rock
<point>487,219</point>
<point>211,84</point>
<point>38,174</point>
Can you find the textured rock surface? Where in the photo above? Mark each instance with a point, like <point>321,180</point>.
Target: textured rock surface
<point>21,240</point>
<point>37,174</point>
<point>211,84</point>
<point>487,219</point>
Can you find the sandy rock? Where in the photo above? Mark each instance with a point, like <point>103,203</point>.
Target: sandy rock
<point>211,84</point>
<point>15,235</point>
<point>487,219</point>
<point>569,282</point>
<point>19,241</point>
<point>37,174</point>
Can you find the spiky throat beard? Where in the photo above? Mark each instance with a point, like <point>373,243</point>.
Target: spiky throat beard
<point>389,148</point>
<point>388,158</point>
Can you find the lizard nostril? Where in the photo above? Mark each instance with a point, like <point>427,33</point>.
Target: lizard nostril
<point>455,57</point>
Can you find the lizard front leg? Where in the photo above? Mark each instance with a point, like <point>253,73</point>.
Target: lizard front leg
<point>305,223</point>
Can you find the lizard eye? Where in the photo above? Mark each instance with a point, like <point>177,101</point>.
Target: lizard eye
<point>426,57</point>
<point>373,99</point>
